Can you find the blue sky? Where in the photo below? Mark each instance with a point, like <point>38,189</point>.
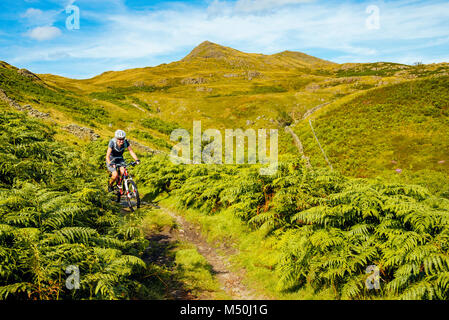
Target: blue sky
<point>122,34</point>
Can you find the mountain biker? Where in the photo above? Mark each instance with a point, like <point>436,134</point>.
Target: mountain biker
<point>114,155</point>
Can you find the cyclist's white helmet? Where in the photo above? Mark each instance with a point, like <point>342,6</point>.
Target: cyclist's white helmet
<point>120,134</point>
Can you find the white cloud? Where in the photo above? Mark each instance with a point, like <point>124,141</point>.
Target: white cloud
<point>41,23</point>
<point>44,33</point>
<point>37,17</point>
<point>31,13</point>
<point>339,28</point>
<point>163,32</point>
<point>260,5</point>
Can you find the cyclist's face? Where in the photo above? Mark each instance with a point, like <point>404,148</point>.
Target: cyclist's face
<point>120,141</point>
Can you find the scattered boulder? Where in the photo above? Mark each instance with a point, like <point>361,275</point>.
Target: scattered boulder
<point>197,80</point>
<point>82,132</point>
<point>27,108</point>
<point>253,74</point>
<point>139,84</point>
<point>230,75</point>
<point>350,79</point>
<point>9,101</point>
<point>143,147</point>
<point>330,82</point>
<point>35,113</point>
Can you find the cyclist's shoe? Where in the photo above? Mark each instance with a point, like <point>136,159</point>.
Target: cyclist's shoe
<point>110,188</point>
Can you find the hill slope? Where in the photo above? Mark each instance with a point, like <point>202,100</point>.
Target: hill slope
<point>227,88</point>
<point>400,128</point>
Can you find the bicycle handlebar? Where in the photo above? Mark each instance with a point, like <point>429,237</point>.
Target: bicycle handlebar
<point>131,164</point>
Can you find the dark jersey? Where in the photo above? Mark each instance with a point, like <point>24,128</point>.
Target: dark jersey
<point>117,152</point>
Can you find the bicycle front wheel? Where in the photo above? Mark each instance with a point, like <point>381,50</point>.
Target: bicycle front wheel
<point>132,195</point>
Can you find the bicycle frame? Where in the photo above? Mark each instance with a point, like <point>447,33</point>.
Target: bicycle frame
<point>122,180</point>
<point>126,186</point>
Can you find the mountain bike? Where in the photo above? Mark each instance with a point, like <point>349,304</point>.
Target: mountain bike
<point>126,186</point>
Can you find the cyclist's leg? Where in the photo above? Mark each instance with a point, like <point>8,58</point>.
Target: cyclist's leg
<point>121,162</point>
<point>114,174</point>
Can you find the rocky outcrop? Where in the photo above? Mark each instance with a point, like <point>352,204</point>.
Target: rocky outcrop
<point>197,80</point>
<point>35,113</point>
<point>143,147</point>
<point>4,97</point>
<point>27,108</point>
<point>139,84</point>
<point>28,74</point>
<point>253,74</point>
<point>81,132</point>
<point>230,75</point>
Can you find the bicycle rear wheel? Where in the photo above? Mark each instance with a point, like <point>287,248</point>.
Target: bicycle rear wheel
<point>132,195</point>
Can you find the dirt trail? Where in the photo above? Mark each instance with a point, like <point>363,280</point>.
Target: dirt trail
<point>231,282</point>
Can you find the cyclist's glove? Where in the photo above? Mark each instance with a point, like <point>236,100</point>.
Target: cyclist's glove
<point>137,161</point>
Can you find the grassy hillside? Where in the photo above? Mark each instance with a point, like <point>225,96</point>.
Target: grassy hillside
<point>400,129</point>
<point>103,112</point>
<point>227,88</point>
<point>398,124</point>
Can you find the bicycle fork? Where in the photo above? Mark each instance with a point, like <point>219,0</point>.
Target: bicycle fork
<point>126,188</point>
<point>127,191</point>
<point>124,182</point>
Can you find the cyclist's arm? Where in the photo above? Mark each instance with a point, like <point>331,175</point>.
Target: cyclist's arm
<point>131,152</point>
<point>108,154</point>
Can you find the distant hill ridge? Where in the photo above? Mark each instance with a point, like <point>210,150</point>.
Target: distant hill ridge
<point>210,50</point>
<point>218,56</point>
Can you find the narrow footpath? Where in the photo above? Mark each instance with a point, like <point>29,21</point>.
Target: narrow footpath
<point>231,282</point>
